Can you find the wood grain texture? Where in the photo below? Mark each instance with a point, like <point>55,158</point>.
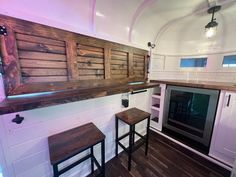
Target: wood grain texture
<point>164,160</point>
<point>132,116</point>
<point>131,65</point>
<point>26,72</point>
<point>91,60</point>
<point>139,65</point>
<point>81,92</point>
<point>12,75</point>
<point>119,64</point>
<point>43,47</point>
<point>39,40</point>
<point>40,47</point>
<point>33,79</point>
<point>91,72</point>
<point>69,143</point>
<point>90,53</point>
<point>71,55</point>
<point>229,86</point>
<point>41,56</point>
<point>91,77</point>
<point>107,63</point>
<point>90,66</point>
<point>28,63</point>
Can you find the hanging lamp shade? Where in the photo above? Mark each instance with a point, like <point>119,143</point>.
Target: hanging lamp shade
<point>211,27</point>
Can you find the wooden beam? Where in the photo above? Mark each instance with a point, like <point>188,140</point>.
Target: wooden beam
<point>12,73</point>
<point>131,65</point>
<point>71,53</point>
<point>107,63</point>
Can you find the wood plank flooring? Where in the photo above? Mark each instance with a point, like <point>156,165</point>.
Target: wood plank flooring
<point>163,160</point>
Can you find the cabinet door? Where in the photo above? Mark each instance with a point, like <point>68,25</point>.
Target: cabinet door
<point>225,141</point>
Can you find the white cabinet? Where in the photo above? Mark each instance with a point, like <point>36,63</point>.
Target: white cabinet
<point>157,106</point>
<point>223,144</point>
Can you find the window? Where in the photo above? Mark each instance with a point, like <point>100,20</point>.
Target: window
<point>193,62</point>
<point>229,61</point>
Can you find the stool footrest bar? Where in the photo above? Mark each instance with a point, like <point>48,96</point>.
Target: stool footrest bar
<point>123,136</point>
<point>74,164</point>
<point>97,164</point>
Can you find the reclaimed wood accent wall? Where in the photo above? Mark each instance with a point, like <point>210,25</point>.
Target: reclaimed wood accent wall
<point>39,58</point>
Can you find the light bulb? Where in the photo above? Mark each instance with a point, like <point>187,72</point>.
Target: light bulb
<point>210,32</point>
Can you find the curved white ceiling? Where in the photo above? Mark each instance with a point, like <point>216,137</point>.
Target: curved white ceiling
<point>177,27</point>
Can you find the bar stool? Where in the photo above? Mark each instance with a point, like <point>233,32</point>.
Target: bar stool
<point>67,144</point>
<point>132,117</point>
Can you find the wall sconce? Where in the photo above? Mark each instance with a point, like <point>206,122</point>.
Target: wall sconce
<point>211,27</point>
<point>150,45</point>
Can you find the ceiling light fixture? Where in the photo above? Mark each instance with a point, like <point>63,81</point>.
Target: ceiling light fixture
<point>211,27</point>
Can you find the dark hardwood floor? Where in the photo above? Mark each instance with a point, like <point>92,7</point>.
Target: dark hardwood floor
<point>163,160</point>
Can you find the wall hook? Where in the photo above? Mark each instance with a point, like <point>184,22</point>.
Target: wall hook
<point>18,119</point>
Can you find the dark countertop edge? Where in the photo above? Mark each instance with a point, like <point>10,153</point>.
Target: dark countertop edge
<point>11,105</point>
<point>199,84</point>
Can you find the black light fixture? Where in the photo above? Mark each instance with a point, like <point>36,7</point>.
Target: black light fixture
<point>211,27</point>
<point>151,45</point>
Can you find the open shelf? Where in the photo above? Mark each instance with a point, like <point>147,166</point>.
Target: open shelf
<point>155,119</point>
<point>157,105</point>
<point>156,96</point>
<point>155,108</point>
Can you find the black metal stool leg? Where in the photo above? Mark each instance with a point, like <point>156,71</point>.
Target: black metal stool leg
<point>116,122</point>
<point>103,158</point>
<point>130,147</point>
<point>55,171</point>
<point>147,136</point>
<point>133,134</point>
<point>92,163</point>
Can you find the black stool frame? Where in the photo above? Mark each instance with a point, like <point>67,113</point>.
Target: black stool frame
<point>101,167</point>
<point>131,135</point>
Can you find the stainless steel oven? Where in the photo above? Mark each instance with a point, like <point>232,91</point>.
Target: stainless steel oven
<point>190,112</point>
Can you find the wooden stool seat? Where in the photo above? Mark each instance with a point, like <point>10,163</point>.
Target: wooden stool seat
<point>132,117</point>
<point>67,144</point>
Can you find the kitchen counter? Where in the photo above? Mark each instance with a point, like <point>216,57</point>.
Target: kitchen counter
<point>24,102</point>
<point>199,84</point>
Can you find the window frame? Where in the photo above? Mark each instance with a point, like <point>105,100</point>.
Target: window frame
<point>227,66</point>
<point>205,59</point>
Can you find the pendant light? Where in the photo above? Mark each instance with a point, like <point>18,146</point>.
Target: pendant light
<point>211,27</point>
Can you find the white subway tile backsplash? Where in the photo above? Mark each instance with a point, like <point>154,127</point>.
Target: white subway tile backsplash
<point>205,76</point>
<point>171,69</point>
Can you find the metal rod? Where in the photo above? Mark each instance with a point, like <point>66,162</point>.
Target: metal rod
<point>136,92</point>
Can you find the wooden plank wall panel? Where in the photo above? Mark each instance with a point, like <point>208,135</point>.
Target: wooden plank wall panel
<point>139,65</point>
<point>119,64</point>
<point>41,59</point>
<point>90,61</point>
<point>8,52</point>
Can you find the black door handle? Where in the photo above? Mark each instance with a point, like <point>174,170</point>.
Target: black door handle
<point>228,102</point>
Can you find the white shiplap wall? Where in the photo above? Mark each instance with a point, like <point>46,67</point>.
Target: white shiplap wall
<point>25,145</point>
<point>168,67</point>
